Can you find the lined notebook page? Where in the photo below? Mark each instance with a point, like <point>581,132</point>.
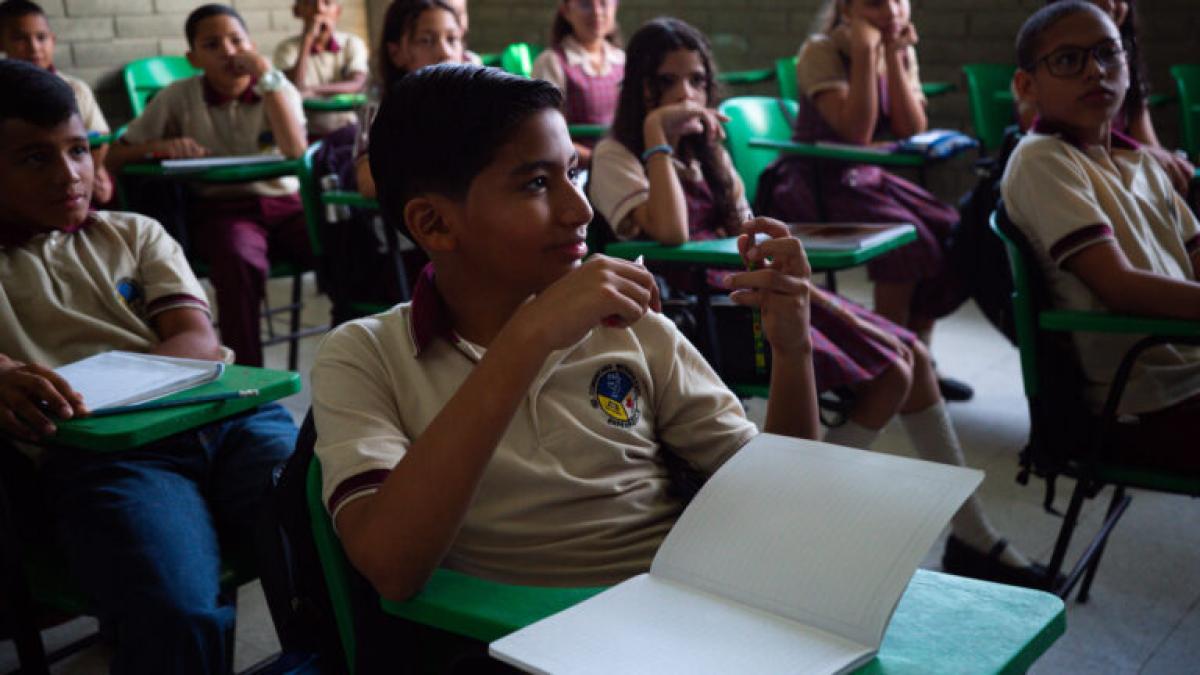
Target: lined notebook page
<point>826,535</point>
<point>123,378</point>
<point>652,626</point>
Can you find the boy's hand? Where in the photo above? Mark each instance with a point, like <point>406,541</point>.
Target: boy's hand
<point>600,290</point>
<point>250,63</point>
<point>28,394</point>
<point>177,148</point>
<point>685,119</point>
<point>778,286</point>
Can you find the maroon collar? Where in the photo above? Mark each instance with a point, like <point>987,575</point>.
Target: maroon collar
<point>332,46</point>
<point>15,236</point>
<point>52,69</point>
<point>1118,140</point>
<point>216,98</point>
<point>429,318</point>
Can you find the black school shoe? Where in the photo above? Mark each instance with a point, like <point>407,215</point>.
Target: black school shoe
<point>960,559</point>
<point>955,390</point>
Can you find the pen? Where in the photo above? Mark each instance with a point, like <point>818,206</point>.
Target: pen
<point>159,405</point>
<point>760,347</point>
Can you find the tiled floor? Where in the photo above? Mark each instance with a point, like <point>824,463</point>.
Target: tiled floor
<point>1144,615</point>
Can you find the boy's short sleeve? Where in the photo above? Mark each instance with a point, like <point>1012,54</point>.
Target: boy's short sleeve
<point>698,418</point>
<point>820,66</point>
<point>359,438</point>
<point>1047,192</point>
<point>160,119</point>
<point>358,57</point>
<point>286,53</point>
<point>618,185</point>
<point>548,67</point>
<point>166,276</point>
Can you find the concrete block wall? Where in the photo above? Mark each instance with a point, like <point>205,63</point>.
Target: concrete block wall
<point>96,38</point>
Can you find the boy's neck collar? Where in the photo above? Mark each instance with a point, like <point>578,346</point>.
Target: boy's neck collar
<point>430,317</point>
<point>216,98</point>
<point>1117,140</point>
<point>16,235</point>
<point>331,45</point>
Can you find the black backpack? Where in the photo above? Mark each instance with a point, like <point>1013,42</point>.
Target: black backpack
<point>977,255</point>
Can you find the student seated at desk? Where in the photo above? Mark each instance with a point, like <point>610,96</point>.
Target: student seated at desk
<point>514,420</point>
<point>322,61</point>
<point>25,34</point>
<point>140,528</point>
<point>239,105</point>
<point>685,188</point>
<point>1108,228</point>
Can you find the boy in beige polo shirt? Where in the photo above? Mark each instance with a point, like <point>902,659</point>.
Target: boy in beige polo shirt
<point>143,530</point>
<point>323,61</point>
<point>25,34</point>
<point>514,420</point>
<point>1110,231</point>
<point>239,105</point>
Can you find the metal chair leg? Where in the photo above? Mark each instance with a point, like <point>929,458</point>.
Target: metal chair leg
<point>1118,498</point>
<point>297,306</point>
<point>1064,535</point>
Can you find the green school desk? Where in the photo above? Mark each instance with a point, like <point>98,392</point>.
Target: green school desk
<point>580,131</point>
<point>347,198</point>
<point>724,253</point>
<point>120,432</point>
<point>839,153</point>
<point>942,623</point>
<point>336,103</point>
<point>223,174</point>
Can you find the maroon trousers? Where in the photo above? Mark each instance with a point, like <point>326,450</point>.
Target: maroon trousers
<point>234,237</point>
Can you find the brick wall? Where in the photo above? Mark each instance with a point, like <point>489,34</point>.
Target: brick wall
<point>97,37</point>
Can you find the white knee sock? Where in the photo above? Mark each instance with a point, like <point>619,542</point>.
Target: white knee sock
<point>932,433</point>
<point>851,435</point>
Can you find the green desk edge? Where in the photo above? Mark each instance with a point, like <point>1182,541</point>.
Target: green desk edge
<point>724,253</point>
<point>1101,322</point>
<point>747,76</point>
<point>120,432</point>
<point>587,130</point>
<point>839,154</point>
<point>932,89</point>
<point>962,625</point>
<point>338,103</point>
<point>224,174</point>
<point>347,198</point>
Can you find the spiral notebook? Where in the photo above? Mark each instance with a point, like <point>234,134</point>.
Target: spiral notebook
<point>119,378</point>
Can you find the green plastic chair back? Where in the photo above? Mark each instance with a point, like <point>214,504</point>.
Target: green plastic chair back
<point>1024,312</point>
<point>755,117</point>
<point>145,77</point>
<point>1187,81</point>
<point>333,562</point>
<point>992,105</point>
<point>517,58</point>
<point>310,197</point>
<point>785,74</point>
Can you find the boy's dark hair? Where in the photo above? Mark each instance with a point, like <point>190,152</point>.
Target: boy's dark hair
<point>34,95</point>
<point>1029,38</point>
<point>400,20</point>
<point>440,126</point>
<point>15,9</point>
<point>561,28</point>
<point>647,50</point>
<point>205,12</point>
<point>1135,97</point>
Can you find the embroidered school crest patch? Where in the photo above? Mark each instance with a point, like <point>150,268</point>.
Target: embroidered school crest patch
<point>131,292</point>
<point>616,392</point>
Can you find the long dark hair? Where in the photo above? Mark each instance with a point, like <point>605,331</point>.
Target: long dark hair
<point>1135,98</point>
<point>648,48</point>
<point>400,19</point>
<point>561,28</point>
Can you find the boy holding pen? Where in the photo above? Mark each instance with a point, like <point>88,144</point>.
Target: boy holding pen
<point>517,419</point>
<point>144,529</point>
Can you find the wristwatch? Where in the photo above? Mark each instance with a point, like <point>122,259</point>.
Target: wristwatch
<point>272,80</point>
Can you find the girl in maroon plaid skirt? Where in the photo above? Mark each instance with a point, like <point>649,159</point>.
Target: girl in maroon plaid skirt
<point>684,187</point>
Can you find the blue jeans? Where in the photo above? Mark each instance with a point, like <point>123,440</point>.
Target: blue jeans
<point>144,529</point>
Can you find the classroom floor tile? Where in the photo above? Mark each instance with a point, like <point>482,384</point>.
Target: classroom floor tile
<point>1144,613</point>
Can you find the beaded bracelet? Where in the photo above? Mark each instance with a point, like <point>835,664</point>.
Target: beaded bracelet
<point>654,150</point>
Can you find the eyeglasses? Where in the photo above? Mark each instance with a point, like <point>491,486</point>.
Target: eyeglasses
<point>1070,61</point>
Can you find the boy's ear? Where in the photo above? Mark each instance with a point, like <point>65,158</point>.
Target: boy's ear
<point>1025,86</point>
<point>191,57</point>
<point>431,220</point>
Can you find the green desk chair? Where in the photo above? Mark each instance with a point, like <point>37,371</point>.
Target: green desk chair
<point>491,59</point>
<point>992,106</point>
<point>145,77</point>
<point>785,75</point>
<point>746,77</point>
<point>755,117</point>
<point>1058,444</point>
<point>1187,81</point>
<point>518,57</point>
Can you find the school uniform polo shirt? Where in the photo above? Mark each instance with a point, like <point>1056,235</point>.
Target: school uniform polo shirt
<point>192,108</point>
<point>89,110</point>
<point>1065,197</point>
<point>68,295</point>
<point>547,67</point>
<point>342,58</point>
<point>576,492</point>
<point>823,63</point>
<point>619,184</point>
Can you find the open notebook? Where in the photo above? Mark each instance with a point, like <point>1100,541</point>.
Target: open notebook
<point>123,378</point>
<point>846,236</point>
<point>178,166</point>
<point>791,559</point>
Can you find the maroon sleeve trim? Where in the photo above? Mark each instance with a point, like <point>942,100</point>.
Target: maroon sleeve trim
<point>174,300</point>
<point>353,485</point>
<point>1073,241</point>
